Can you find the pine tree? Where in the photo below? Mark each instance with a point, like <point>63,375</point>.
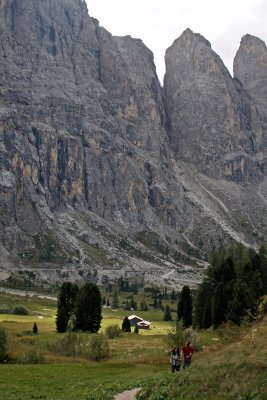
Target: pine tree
<point>88,309</point>
<point>35,329</point>
<point>263,263</point>
<point>202,309</point>
<point>240,304</point>
<point>115,300</point>
<point>167,314</point>
<point>65,305</point>
<point>185,307</point>
<point>126,325</point>
<point>224,277</point>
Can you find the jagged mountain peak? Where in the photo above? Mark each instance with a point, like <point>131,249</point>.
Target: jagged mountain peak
<point>250,67</point>
<point>188,38</point>
<point>102,168</point>
<point>250,42</point>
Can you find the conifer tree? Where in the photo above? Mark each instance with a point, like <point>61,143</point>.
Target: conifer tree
<point>65,305</point>
<point>126,325</point>
<point>202,305</point>
<point>167,314</point>
<point>185,307</point>
<point>88,309</point>
<point>35,329</point>
<point>115,299</point>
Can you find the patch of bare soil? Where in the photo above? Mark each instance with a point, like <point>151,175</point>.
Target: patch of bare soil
<point>127,395</point>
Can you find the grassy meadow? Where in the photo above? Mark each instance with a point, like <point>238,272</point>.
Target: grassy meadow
<point>231,365</point>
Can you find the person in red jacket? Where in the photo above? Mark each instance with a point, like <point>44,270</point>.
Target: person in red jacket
<point>187,350</point>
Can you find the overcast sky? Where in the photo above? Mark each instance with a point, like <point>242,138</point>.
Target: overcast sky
<point>159,22</point>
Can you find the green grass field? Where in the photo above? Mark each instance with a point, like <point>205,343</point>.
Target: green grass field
<point>232,364</point>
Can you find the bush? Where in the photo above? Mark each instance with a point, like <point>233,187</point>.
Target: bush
<point>19,310</point>
<point>71,344</point>
<point>31,357</point>
<point>178,336</point>
<point>229,332</point>
<point>76,344</point>
<point>3,345</point>
<point>113,331</point>
<point>98,347</point>
<point>4,310</point>
<point>175,336</point>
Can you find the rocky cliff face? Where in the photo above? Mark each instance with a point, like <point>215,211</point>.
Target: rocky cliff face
<point>209,112</point>
<point>103,172</point>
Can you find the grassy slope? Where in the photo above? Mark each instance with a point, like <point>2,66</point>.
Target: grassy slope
<point>225,371</point>
<point>222,371</point>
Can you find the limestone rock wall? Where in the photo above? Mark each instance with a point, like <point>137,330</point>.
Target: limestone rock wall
<point>93,150</point>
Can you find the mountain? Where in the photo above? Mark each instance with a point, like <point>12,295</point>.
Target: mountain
<point>105,173</point>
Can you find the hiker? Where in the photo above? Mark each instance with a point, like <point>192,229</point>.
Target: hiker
<point>187,354</point>
<point>175,359</point>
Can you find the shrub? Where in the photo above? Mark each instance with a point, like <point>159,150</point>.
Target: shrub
<point>4,310</point>
<point>19,310</point>
<point>229,332</point>
<point>71,344</point>
<point>3,345</point>
<point>113,331</point>
<point>178,336</point>
<point>98,347</point>
<point>31,357</point>
<point>175,336</point>
<point>77,344</point>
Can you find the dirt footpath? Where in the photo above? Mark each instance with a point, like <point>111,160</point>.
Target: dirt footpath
<point>127,395</point>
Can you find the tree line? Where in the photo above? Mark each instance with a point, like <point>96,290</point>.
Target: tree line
<point>231,291</point>
<point>232,288</point>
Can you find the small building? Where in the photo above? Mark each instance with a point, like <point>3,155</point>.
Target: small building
<point>144,324</point>
<point>140,322</point>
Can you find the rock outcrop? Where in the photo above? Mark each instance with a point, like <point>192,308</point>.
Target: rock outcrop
<point>208,112</point>
<point>104,172</point>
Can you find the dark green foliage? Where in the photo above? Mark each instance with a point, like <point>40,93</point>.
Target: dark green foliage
<point>235,282</point>
<point>133,304</point>
<point>143,306</point>
<point>65,306</point>
<point>185,307</point>
<point>263,259</point>
<point>115,300</point>
<point>88,308</point>
<point>19,310</point>
<point>3,345</point>
<point>167,314</point>
<point>123,285</point>
<point>202,305</point>
<point>35,329</point>
<point>223,276</point>
<point>126,325</point>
